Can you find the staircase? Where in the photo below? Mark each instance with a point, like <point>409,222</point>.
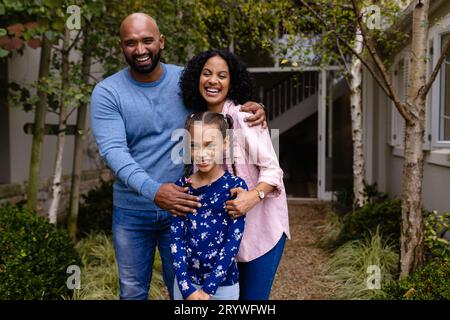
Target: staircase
<point>295,98</point>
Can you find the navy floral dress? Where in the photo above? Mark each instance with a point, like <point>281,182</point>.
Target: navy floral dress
<point>204,244</point>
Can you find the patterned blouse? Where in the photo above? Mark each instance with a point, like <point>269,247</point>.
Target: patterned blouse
<point>204,244</point>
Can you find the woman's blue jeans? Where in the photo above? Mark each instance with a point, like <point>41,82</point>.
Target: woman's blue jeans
<point>136,233</point>
<point>256,276</point>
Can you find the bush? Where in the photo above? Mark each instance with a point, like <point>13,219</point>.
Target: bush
<point>34,256</point>
<point>95,214</point>
<point>436,226</point>
<point>345,198</point>
<point>385,215</point>
<point>348,266</point>
<point>99,276</point>
<point>431,282</point>
<point>330,231</point>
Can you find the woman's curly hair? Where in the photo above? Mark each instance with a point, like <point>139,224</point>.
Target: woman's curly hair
<point>241,84</point>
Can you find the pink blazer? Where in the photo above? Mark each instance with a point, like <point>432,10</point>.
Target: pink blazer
<point>256,161</point>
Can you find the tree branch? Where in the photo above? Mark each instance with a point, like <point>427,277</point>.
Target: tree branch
<point>74,42</point>
<point>350,47</point>
<point>69,113</point>
<point>344,62</point>
<point>380,65</point>
<point>424,90</point>
<point>341,53</point>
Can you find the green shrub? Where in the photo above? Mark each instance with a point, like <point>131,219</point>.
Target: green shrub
<point>345,198</point>
<point>431,282</point>
<point>436,226</point>
<point>330,231</point>
<point>95,214</point>
<point>34,256</point>
<point>348,266</point>
<point>385,215</point>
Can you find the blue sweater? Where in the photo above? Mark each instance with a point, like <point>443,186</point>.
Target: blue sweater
<point>204,244</point>
<point>132,123</point>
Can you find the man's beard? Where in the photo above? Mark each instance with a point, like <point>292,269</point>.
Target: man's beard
<point>144,69</point>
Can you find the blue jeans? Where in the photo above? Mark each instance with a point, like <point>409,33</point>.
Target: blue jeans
<point>136,233</point>
<point>256,276</point>
<point>222,293</point>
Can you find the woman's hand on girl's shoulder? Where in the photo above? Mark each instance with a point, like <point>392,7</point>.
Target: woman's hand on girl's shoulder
<point>244,202</point>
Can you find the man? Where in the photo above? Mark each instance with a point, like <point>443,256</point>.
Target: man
<point>133,114</point>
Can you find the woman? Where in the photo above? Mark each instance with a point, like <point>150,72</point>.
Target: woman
<point>217,81</point>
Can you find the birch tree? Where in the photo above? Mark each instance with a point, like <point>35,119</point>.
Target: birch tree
<point>33,24</point>
<point>356,112</point>
<point>412,109</point>
<point>62,124</point>
<point>354,73</point>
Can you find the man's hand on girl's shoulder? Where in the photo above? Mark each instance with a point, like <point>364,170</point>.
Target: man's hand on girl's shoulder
<point>175,199</point>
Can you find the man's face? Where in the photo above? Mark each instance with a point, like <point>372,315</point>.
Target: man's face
<point>141,44</point>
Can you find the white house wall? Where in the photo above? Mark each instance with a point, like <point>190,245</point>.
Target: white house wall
<point>387,162</point>
<point>24,69</point>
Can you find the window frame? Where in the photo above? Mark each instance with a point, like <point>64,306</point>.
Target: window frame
<point>395,137</point>
<point>436,34</point>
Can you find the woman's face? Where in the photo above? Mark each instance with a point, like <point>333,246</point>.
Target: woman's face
<point>214,81</point>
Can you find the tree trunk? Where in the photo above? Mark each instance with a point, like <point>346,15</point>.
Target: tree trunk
<point>61,139</point>
<point>357,125</point>
<point>80,137</point>
<point>38,132</point>
<point>412,222</point>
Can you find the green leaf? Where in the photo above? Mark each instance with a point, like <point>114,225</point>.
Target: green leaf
<point>58,25</point>
<point>2,9</point>
<point>52,3</point>
<point>3,53</point>
<point>3,32</point>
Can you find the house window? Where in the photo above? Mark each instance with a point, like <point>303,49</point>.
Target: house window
<point>400,83</point>
<point>444,106</point>
<point>400,80</point>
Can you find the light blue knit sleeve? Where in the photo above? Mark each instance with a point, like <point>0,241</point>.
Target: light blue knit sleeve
<point>109,131</point>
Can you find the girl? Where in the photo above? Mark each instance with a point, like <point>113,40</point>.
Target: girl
<point>204,243</point>
<point>217,81</point>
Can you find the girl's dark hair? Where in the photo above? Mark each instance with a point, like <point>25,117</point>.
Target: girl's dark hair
<point>223,122</point>
<point>241,85</point>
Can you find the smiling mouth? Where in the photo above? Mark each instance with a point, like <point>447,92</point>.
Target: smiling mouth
<point>212,91</point>
<point>142,59</point>
<point>203,164</point>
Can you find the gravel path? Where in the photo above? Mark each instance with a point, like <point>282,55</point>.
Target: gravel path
<point>298,276</point>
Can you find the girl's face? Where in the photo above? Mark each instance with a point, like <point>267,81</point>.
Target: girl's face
<point>214,81</point>
<point>207,145</point>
